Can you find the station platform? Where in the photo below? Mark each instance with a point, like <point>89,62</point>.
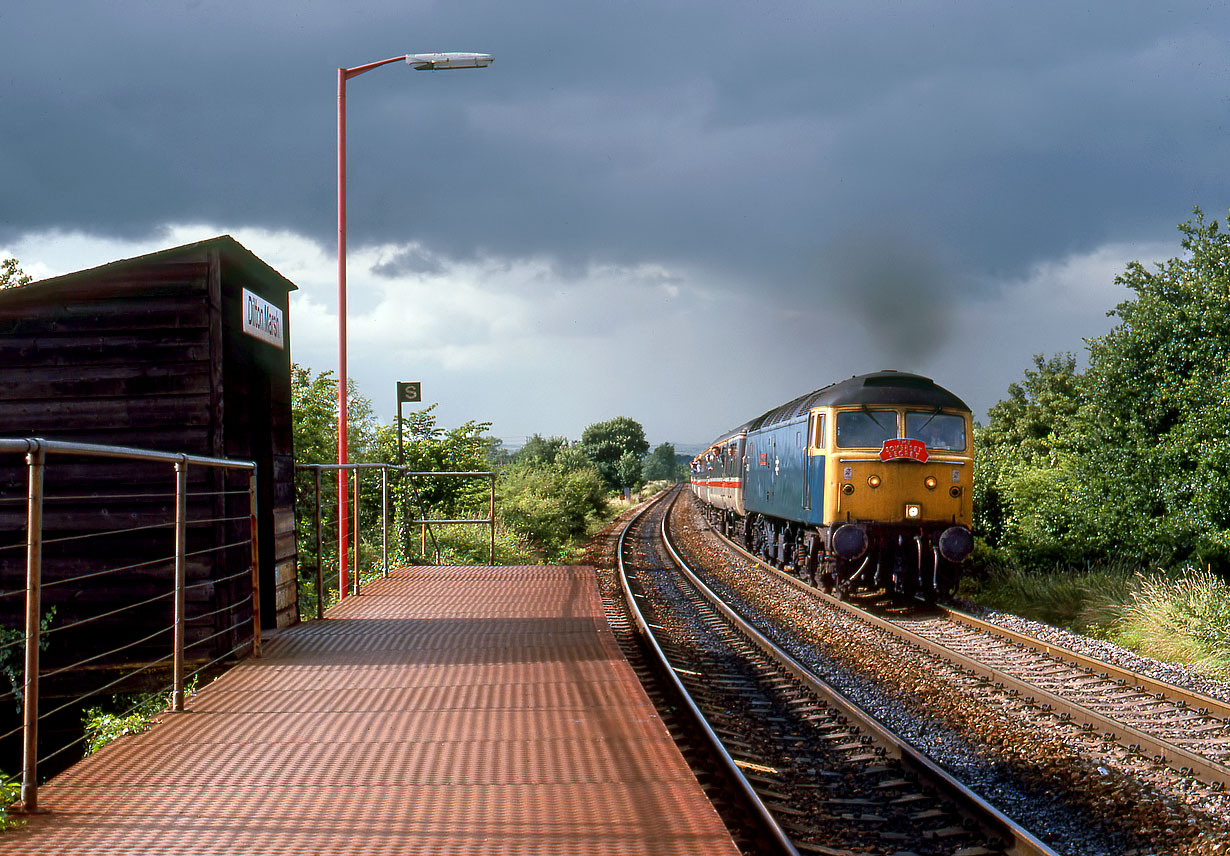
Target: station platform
<point>457,710</point>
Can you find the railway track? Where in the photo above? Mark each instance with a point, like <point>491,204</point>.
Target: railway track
<point>820,775</point>
<point>1185,730</point>
<point>1080,703</point>
<point>1172,725</point>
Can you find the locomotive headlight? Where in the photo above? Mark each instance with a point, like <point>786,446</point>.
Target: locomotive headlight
<point>931,482</point>
<point>874,481</point>
<point>913,512</point>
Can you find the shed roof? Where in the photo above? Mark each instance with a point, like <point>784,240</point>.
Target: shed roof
<point>235,257</point>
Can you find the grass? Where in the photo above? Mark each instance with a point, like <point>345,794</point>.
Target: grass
<point>1180,617</point>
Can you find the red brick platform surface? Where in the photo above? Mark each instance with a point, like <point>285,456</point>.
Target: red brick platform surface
<point>461,710</point>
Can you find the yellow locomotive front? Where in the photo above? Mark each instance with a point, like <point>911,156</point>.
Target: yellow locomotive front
<point>898,502</point>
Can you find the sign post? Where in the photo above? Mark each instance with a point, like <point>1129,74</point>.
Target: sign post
<point>407,391</point>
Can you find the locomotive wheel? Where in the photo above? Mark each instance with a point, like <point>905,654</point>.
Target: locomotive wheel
<point>825,582</point>
<point>810,564</point>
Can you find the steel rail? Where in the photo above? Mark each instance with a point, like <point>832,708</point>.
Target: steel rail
<point>1198,701</point>
<point>993,822</point>
<point>748,793</point>
<point>1162,751</point>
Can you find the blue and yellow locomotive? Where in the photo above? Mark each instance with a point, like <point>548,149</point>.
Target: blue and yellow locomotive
<point>861,485</point>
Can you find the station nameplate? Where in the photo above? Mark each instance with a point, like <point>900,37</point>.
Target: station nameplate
<point>261,319</point>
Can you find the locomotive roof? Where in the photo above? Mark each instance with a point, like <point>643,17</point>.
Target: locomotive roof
<point>882,387</point>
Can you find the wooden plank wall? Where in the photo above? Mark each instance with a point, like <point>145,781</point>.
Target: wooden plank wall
<point>123,359</point>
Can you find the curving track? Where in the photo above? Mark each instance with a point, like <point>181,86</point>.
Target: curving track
<point>821,775</point>
<point>993,693</point>
<point>1172,725</point>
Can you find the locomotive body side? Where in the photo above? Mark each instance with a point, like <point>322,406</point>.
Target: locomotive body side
<point>785,479</point>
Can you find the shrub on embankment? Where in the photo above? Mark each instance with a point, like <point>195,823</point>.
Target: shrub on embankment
<point>1102,497</point>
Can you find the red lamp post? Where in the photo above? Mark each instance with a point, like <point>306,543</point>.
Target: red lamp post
<point>420,62</point>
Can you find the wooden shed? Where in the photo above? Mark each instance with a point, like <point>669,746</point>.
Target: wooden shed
<point>183,350</point>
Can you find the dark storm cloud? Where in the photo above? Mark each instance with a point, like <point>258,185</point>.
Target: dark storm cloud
<point>733,137</point>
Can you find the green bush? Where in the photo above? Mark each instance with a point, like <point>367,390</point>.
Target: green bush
<point>1130,455</point>
<point>126,714</point>
<point>548,505</point>
<point>10,792</point>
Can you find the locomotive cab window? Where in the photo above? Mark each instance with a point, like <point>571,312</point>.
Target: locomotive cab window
<point>817,430</point>
<point>865,429</point>
<point>943,431</point>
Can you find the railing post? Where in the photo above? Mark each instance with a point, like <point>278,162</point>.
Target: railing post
<point>491,516</point>
<point>36,459</point>
<point>256,568</point>
<point>320,584</point>
<point>181,535</point>
<point>358,528</point>
<point>384,517</point>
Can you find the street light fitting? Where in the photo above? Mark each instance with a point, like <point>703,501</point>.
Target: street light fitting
<point>421,62</point>
<point>441,61</point>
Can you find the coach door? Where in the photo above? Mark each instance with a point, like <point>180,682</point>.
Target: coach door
<point>807,444</point>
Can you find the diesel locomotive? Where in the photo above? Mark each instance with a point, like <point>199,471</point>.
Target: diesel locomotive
<point>861,485</point>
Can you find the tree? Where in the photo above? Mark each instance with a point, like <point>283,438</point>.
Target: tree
<point>1027,436</point>
<point>429,448</point>
<point>1128,458</point>
<point>628,471</point>
<point>1038,413</point>
<point>661,464</point>
<point>11,275</point>
<point>314,419</point>
<point>314,433</point>
<point>1155,428</point>
<point>605,443</point>
<point>538,448</point>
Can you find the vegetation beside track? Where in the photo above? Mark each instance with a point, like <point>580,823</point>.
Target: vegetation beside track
<point>1129,457</point>
<point>1180,616</point>
<point>1102,496</point>
<point>552,495</point>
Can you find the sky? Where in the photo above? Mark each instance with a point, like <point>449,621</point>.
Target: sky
<point>682,212</point>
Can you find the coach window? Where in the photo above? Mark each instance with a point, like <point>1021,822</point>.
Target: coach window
<point>943,431</point>
<point>865,429</point>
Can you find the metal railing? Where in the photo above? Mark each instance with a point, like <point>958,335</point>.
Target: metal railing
<point>137,509</point>
<point>388,472</point>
